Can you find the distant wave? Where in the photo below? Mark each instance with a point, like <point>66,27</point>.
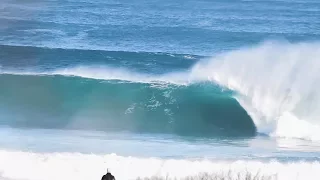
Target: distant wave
<point>52,166</point>
<point>21,59</point>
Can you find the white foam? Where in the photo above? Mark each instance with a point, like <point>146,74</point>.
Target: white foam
<point>298,128</point>
<point>278,84</point>
<point>16,165</point>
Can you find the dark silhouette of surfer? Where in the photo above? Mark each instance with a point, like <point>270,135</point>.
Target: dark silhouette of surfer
<point>108,176</point>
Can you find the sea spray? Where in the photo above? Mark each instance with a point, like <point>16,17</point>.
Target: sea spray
<point>276,82</point>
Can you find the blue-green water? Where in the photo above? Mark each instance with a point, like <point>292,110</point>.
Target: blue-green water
<point>159,88</point>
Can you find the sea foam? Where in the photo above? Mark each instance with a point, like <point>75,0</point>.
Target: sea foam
<point>16,165</point>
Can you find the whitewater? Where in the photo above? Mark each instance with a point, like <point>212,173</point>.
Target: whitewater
<point>275,83</point>
<point>176,90</point>
<point>60,166</point>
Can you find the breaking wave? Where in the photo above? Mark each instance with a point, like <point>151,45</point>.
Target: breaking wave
<point>271,88</point>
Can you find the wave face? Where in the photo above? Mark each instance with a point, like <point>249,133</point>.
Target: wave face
<point>62,101</point>
<point>36,166</point>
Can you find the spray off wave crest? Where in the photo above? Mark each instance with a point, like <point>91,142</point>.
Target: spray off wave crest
<point>277,83</point>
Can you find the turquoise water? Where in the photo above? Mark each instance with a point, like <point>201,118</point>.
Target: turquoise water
<point>159,88</point>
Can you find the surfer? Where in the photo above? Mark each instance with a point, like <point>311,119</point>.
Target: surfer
<point>108,176</point>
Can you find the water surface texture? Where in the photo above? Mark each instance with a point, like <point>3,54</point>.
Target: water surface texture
<point>159,89</point>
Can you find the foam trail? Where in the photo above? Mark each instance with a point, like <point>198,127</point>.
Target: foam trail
<point>278,84</point>
<point>104,72</point>
<point>63,166</point>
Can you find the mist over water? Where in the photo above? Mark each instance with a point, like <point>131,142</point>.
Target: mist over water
<point>275,82</point>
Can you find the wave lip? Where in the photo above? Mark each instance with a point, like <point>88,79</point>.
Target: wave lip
<point>109,73</point>
<point>103,72</point>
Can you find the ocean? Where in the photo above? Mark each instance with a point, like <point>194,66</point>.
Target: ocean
<point>152,89</point>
